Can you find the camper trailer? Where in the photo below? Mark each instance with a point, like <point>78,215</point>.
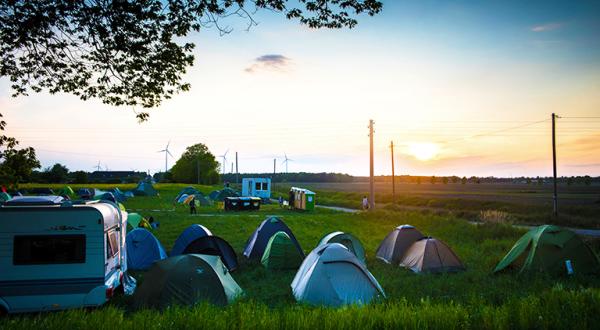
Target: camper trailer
<point>256,187</point>
<point>57,254</point>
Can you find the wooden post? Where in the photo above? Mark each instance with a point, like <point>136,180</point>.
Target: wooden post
<point>393,175</point>
<point>372,177</point>
<point>555,195</point>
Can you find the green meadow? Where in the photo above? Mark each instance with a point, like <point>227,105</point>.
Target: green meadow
<point>472,299</point>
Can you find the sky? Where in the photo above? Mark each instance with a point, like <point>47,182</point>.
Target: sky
<point>461,87</point>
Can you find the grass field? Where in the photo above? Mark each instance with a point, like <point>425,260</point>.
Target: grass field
<point>579,206</point>
<point>472,299</point>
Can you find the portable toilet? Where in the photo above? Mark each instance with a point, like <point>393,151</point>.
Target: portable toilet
<point>256,187</point>
<point>304,199</point>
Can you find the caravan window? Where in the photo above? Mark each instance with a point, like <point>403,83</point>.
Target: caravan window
<point>265,186</point>
<point>112,247</point>
<point>49,249</point>
<point>257,186</point>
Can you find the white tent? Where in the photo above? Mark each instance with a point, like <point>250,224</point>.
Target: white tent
<point>396,243</point>
<point>332,275</point>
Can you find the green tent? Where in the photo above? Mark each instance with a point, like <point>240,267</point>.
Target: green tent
<point>347,240</point>
<point>145,188</point>
<point>186,280</point>
<point>4,197</point>
<point>224,193</point>
<point>550,249</point>
<point>134,219</point>
<point>66,191</point>
<point>281,253</point>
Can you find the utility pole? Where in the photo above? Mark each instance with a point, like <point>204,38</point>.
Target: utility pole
<point>555,196</point>
<point>237,172</point>
<point>274,165</point>
<point>372,178</point>
<point>393,174</point>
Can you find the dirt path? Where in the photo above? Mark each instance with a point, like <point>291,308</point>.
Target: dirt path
<point>578,231</point>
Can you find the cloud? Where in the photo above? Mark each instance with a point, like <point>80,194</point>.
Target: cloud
<point>269,62</point>
<point>547,27</point>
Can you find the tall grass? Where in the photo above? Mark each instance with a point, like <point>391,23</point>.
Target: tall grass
<point>472,299</point>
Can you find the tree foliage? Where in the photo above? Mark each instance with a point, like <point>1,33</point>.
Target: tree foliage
<point>131,52</point>
<point>58,173</point>
<point>196,165</point>
<point>16,165</point>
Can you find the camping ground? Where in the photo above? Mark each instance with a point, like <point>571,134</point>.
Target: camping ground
<point>472,299</point>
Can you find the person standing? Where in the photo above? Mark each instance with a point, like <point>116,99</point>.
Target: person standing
<point>291,199</point>
<point>365,203</point>
<point>193,205</point>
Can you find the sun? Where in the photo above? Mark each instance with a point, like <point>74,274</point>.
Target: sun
<point>423,151</point>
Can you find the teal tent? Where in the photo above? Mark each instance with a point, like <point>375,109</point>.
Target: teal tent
<point>349,241</point>
<point>187,280</point>
<point>4,197</point>
<point>333,276</point>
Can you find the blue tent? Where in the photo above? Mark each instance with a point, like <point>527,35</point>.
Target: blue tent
<point>119,195</point>
<point>256,244</point>
<point>189,235</point>
<point>143,249</point>
<point>182,198</point>
<point>106,196</point>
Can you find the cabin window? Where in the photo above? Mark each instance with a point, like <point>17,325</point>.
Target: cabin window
<point>265,186</point>
<point>49,249</point>
<point>257,186</point>
<point>112,246</point>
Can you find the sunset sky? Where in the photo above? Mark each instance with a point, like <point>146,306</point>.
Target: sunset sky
<point>461,87</point>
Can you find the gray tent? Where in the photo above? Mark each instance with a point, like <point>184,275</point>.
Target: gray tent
<point>396,243</point>
<point>331,275</point>
<point>432,256</point>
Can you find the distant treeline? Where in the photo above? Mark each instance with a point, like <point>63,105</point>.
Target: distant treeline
<point>416,179</point>
<point>292,177</point>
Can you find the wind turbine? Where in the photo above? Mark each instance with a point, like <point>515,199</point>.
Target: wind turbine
<point>286,161</point>
<point>98,167</point>
<point>224,156</point>
<point>167,154</point>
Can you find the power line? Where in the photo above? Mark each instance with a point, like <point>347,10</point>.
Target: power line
<point>494,132</point>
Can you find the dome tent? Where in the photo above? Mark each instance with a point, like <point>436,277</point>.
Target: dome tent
<point>282,253</point>
<point>105,196</point>
<point>256,244</point>
<point>119,195</point>
<point>213,194</point>
<point>224,193</point>
<point>214,246</point>
<point>66,191</point>
<point>331,275</point>
<point>396,243</point>
<point>145,188</point>
<point>429,255</point>
<point>550,249</point>
<point>187,280</point>
<point>190,234</point>
<point>349,241</point>
<point>188,191</point>
<point>143,249</point>
<point>4,197</point>
<point>182,198</point>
